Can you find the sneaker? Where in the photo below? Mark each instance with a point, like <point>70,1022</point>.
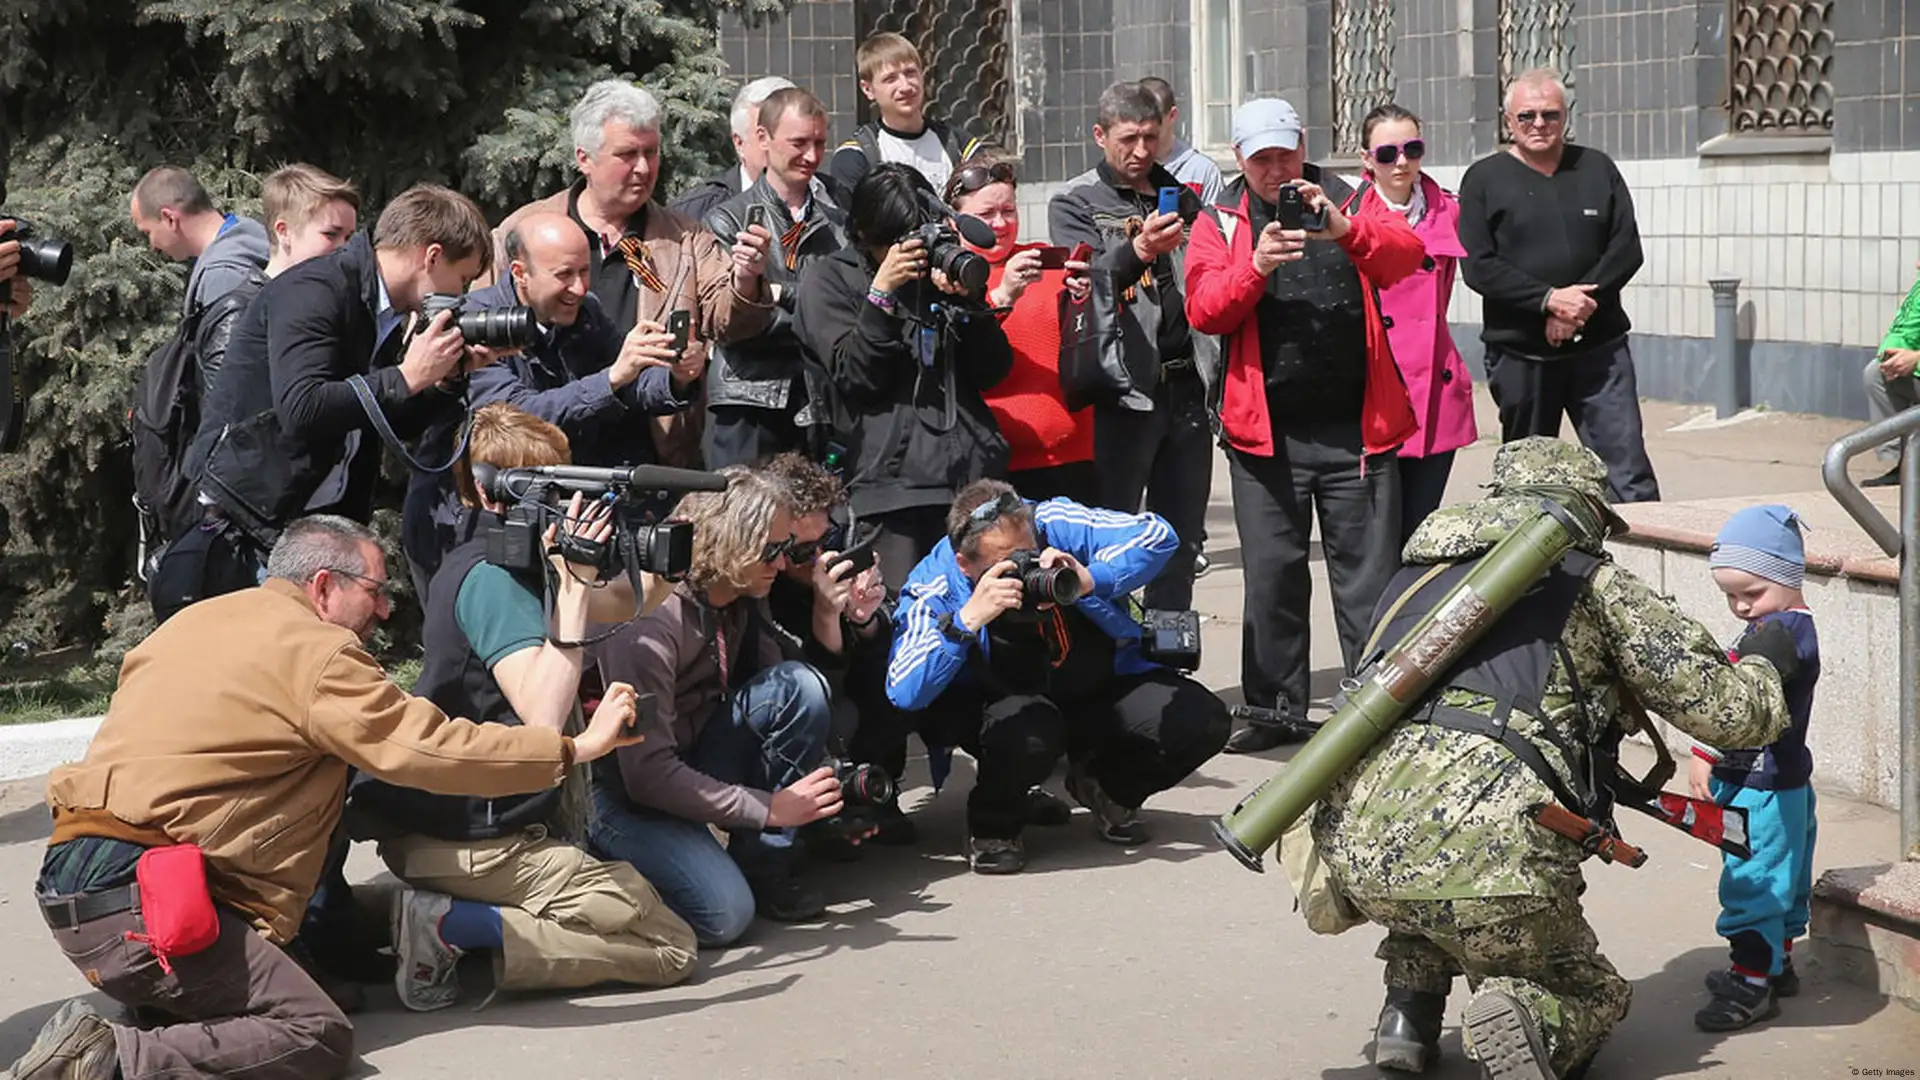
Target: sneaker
<point>1047,810</point>
<point>1737,1004</point>
<point>995,855</point>
<point>1505,1038</point>
<point>1785,985</point>
<point>1117,824</point>
<point>896,828</point>
<point>786,899</point>
<point>75,1044</point>
<point>427,973</point>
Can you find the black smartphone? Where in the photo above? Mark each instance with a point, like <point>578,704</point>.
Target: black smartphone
<point>679,324</point>
<point>757,215</point>
<point>860,555</point>
<point>1291,210</point>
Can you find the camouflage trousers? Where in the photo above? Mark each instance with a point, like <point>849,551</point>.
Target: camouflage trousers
<point>1540,951</point>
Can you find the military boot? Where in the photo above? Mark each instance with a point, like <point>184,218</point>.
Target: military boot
<point>1505,1038</point>
<point>1408,1036</point>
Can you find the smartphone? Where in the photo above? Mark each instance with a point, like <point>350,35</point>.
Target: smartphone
<point>1082,252</point>
<point>1291,209</point>
<point>1053,258</point>
<point>757,215</point>
<point>860,555</point>
<point>1169,200</point>
<point>679,324</point>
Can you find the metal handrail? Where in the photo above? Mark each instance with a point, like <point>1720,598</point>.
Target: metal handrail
<point>1902,543</point>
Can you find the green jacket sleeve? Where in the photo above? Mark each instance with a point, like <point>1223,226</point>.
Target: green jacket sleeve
<point>1905,331</point>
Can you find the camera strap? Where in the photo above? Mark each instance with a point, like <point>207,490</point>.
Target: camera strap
<point>371,406</point>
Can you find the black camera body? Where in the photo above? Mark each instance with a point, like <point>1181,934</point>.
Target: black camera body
<point>491,328</point>
<point>945,253</point>
<point>534,500</point>
<point>1042,585</point>
<point>42,257</point>
<point>1171,638</point>
<point>862,785</point>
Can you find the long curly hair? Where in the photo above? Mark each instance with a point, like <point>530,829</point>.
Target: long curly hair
<point>730,528</point>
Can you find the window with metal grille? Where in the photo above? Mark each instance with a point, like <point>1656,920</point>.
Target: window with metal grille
<point>1779,73</point>
<point>966,49</point>
<point>1535,34</point>
<point>1362,67</point>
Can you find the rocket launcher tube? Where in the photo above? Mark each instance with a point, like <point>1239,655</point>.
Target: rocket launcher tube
<point>1378,700</point>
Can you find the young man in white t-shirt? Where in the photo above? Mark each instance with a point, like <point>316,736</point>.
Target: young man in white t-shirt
<point>893,78</point>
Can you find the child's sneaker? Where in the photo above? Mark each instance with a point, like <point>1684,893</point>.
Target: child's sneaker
<point>1737,1003</point>
<point>1785,985</point>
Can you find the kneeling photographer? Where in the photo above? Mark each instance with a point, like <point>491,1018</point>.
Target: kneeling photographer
<point>899,321</point>
<point>1016,640</point>
<point>735,735</point>
<point>496,873</point>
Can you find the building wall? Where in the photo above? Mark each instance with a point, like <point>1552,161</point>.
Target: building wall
<point>1818,238</point>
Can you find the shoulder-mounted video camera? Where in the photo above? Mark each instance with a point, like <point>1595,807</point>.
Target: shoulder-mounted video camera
<point>532,499</point>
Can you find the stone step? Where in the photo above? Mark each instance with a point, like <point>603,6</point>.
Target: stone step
<point>1866,928</point>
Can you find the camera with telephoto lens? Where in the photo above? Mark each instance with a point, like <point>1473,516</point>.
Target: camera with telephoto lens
<point>1171,638</point>
<point>1040,584</point>
<point>943,234</point>
<point>534,499</point>
<point>490,328</point>
<point>862,785</point>
<point>42,257</point>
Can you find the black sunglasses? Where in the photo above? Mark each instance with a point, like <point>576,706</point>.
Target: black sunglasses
<point>987,513</point>
<point>1546,117</point>
<point>772,552</point>
<point>1388,153</point>
<point>972,178</point>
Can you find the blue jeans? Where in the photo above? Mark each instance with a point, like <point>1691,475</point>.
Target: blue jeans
<point>771,733</point>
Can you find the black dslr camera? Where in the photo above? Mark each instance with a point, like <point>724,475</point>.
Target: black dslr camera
<point>940,233</point>
<point>42,257</point>
<point>534,499</point>
<point>862,785</point>
<point>1171,638</point>
<point>1039,585</point>
<point>493,328</point>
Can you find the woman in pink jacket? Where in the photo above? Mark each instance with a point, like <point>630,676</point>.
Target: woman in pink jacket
<point>1436,377</point>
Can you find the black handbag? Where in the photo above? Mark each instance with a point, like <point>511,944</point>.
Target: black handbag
<point>1097,366</point>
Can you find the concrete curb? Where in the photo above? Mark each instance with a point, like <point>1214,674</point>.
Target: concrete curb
<point>28,750</point>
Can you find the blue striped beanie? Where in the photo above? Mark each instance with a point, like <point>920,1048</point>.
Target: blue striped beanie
<point>1763,541</point>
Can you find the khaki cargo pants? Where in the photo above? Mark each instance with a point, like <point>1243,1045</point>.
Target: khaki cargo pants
<point>567,919</point>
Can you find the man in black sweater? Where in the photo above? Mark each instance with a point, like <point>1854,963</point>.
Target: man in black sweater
<point>1551,242</point>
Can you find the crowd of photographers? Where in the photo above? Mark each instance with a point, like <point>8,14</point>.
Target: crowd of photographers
<point>707,510</point>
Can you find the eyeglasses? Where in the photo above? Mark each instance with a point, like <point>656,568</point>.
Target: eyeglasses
<point>375,587</point>
<point>1388,153</point>
<point>1545,118</point>
<point>772,552</point>
<point>972,178</point>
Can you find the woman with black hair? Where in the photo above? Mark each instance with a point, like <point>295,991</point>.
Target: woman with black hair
<point>907,353</point>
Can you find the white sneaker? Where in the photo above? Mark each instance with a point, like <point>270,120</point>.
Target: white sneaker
<point>425,974</point>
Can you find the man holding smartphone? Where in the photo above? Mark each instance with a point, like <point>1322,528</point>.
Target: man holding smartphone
<point>1313,408</point>
<point>1153,438</point>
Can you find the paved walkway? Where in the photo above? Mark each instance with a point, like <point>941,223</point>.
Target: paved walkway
<point>1169,961</point>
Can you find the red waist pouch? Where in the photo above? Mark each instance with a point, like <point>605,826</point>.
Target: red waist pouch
<point>175,903</point>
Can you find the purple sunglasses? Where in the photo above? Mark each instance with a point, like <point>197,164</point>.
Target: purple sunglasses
<point>1388,153</point>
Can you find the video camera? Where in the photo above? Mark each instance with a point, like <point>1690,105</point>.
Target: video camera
<point>942,232</point>
<point>491,328</point>
<point>533,499</point>
<point>1039,585</point>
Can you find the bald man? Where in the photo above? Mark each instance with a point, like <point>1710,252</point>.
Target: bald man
<point>582,375</point>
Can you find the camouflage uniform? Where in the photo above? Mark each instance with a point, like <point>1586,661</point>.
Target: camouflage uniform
<point>1429,833</point>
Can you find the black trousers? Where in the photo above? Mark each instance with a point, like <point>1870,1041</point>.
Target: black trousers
<point>1319,467</point>
<point>1597,390</point>
<point>903,538</point>
<point>742,435</point>
<point>1423,485</point>
<point>1137,735</point>
<point>1167,455</point>
<point>1076,480</point>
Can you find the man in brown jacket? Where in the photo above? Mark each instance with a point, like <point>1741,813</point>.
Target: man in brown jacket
<point>232,729</point>
<point>649,262</point>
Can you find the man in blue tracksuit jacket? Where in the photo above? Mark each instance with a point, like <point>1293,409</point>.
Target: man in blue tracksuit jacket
<point>1017,684</point>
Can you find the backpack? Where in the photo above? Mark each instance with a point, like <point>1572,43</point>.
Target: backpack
<point>165,416</point>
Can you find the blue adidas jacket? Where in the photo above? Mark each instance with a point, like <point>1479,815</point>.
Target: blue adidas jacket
<point>1122,551</point>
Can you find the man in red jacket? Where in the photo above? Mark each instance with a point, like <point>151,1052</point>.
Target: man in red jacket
<point>1312,408</point>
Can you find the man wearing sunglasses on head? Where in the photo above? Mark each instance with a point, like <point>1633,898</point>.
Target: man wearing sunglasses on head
<point>735,733</point>
<point>1551,243</point>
